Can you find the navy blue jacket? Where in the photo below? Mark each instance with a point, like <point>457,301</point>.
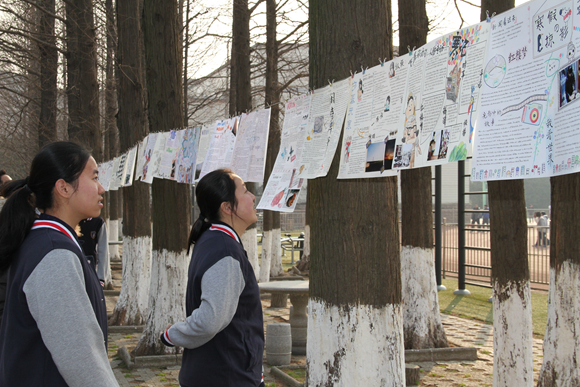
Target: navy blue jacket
<point>233,358</point>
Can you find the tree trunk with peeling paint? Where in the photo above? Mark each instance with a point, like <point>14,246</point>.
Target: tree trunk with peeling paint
<point>421,316</point>
<point>171,212</point>
<point>561,366</point>
<point>131,307</point>
<point>510,276</point>
<point>355,327</point>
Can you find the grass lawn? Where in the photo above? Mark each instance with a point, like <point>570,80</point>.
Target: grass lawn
<point>476,306</point>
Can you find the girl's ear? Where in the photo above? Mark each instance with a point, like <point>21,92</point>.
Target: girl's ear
<point>226,208</point>
<point>62,188</point>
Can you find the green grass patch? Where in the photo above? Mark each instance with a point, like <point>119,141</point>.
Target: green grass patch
<point>299,373</point>
<point>477,307</point>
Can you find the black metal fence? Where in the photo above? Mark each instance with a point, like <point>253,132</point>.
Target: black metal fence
<point>478,254</point>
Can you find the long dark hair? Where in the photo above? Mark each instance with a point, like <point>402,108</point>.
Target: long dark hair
<point>212,190</point>
<point>58,160</point>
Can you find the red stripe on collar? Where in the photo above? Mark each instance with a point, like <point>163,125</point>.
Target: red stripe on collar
<point>55,226</point>
<point>225,229</point>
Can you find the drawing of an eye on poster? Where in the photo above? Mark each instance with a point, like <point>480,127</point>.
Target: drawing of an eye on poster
<point>527,119</point>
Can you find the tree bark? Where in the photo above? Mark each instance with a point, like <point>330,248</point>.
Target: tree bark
<point>355,327</point>
<point>562,340</point>
<point>131,307</point>
<point>48,72</point>
<point>422,320</point>
<point>83,87</point>
<point>510,276</point>
<point>271,222</point>
<point>171,211</point>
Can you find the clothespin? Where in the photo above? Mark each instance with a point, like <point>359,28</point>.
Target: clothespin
<point>351,74</point>
<point>362,69</point>
<point>381,62</point>
<point>409,49</point>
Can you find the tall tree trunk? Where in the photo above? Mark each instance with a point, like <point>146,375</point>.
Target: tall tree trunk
<point>510,276</point>
<point>271,220</point>
<point>355,327</point>
<point>131,307</point>
<point>111,130</point>
<point>83,87</point>
<point>185,40</point>
<point>422,320</point>
<point>48,72</point>
<point>241,96</point>
<point>171,201</point>
<point>561,366</point>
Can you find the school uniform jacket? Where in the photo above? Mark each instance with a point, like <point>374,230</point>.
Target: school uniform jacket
<point>223,335</point>
<point>54,330</point>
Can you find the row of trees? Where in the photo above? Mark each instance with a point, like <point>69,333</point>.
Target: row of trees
<point>370,299</point>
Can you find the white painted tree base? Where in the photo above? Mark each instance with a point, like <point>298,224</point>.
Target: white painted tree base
<point>561,366</point>
<point>421,316</point>
<point>276,268</point>
<point>134,296</point>
<point>166,299</point>
<point>113,233</point>
<point>266,259</point>
<point>250,241</point>
<point>357,345</point>
<point>512,336</point>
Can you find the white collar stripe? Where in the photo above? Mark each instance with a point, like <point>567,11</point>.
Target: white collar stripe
<point>226,230</point>
<point>55,226</point>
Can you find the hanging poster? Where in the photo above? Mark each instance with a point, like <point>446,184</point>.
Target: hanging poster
<point>284,186</point>
<point>327,110</point>
<point>140,158</point>
<point>206,132</point>
<point>443,87</point>
<point>249,154</point>
<point>130,167</point>
<point>528,118</point>
<point>166,169</point>
<point>189,142</point>
<point>376,99</point>
<point>221,146</point>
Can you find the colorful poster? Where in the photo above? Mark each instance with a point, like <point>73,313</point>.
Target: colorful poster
<point>167,164</point>
<point>376,99</point>
<point>130,167</point>
<point>149,156</point>
<point>249,154</point>
<point>189,142</point>
<point>221,146</point>
<point>527,120</point>
<point>327,110</point>
<point>284,186</point>
<point>443,87</point>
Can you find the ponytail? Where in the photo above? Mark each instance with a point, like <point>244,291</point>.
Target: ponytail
<point>16,219</point>
<point>58,160</point>
<point>212,190</point>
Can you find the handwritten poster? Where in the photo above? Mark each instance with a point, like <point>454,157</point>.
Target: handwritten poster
<point>327,111</point>
<point>249,154</point>
<point>206,132</point>
<point>105,172</point>
<point>376,98</point>
<point>527,121</point>
<point>284,186</point>
<point>140,158</point>
<point>189,142</point>
<point>221,146</point>
<point>167,164</point>
<point>130,167</point>
<point>443,87</point>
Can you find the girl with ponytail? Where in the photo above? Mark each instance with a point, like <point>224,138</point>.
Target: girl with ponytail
<point>54,326</point>
<point>223,335</point>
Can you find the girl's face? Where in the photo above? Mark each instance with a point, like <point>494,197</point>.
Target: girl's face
<point>86,200</point>
<point>410,107</point>
<point>245,210</point>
